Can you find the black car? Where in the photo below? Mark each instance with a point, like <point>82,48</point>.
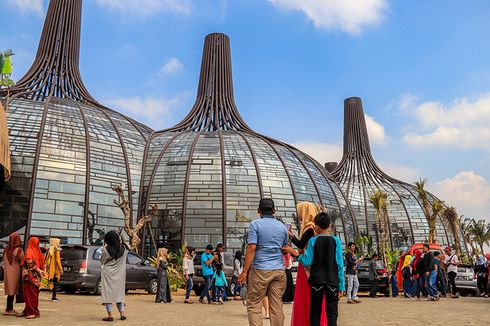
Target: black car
<point>81,270</point>
<point>365,284</point>
<point>227,268</point>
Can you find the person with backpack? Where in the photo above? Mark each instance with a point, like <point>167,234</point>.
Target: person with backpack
<point>452,263</point>
<point>220,284</point>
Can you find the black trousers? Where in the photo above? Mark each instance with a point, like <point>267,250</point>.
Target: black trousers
<point>331,295</point>
<point>374,288</point>
<point>482,283</point>
<point>10,303</point>
<point>55,287</point>
<point>452,282</point>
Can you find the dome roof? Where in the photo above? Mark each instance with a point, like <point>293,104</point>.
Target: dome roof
<point>67,149</point>
<point>359,177</point>
<point>208,173</point>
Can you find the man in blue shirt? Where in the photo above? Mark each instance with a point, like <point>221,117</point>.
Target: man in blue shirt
<point>264,265</point>
<point>207,259</point>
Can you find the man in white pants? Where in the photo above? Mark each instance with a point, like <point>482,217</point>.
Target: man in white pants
<point>351,262</point>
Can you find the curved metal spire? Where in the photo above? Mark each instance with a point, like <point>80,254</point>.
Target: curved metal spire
<point>215,107</point>
<point>55,69</point>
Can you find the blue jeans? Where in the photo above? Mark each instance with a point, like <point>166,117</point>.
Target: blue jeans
<point>120,307</point>
<point>236,290</point>
<point>190,285</point>
<point>207,284</point>
<point>431,283</point>
<point>218,292</point>
<point>419,285</point>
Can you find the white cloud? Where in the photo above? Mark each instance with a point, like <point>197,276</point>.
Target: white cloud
<point>25,6</point>
<point>171,67</point>
<point>152,111</point>
<point>347,15</point>
<point>145,8</point>
<point>322,152</point>
<point>376,131</point>
<point>463,123</point>
<point>467,191</point>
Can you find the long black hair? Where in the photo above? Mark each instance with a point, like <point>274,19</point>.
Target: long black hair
<point>114,245</point>
<point>238,255</point>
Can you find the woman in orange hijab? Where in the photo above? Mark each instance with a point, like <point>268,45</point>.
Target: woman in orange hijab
<point>32,272</point>
<point>301,305</point>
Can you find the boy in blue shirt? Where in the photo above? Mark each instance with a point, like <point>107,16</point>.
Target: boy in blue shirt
<point>207,259</point>
<point>324,258</point>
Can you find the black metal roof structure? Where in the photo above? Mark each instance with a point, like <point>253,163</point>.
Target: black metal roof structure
<point>209,171</point>
<point>67,149</point>
<point>359,177</point>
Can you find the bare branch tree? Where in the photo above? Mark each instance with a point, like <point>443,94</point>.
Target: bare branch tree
<point>124,205</point>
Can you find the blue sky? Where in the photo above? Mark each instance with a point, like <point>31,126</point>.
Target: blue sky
<point>422,69</point>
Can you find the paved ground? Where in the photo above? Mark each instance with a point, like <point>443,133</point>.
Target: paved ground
<point>85,309</point>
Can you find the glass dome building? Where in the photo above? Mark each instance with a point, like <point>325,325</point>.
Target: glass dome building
<point>66,148</point>
<point>207,173</point>
<point>359,177</point>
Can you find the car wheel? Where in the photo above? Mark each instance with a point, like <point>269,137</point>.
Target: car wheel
<point>98,287</point>
<point>386,292</point>
<point>231,288</point>
<point>153,286</point>
<point>69,289</point>
<point>198,289</point>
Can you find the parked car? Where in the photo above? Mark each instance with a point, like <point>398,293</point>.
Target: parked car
<point>81,270</point>
<point>465,282</point>
<point>419,246</point>
<point>199,280</point>
<point>365,284</point>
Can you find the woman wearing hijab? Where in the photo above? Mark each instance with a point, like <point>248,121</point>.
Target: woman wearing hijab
<point>113,274</point>
<point>53,268</point>
<point>417,273</point>
<point>13,255</point>
<point>407,277</point>
<point>301,304</point>
<point>32,272</point>
<point>481,275</point>
<point>163,292</point>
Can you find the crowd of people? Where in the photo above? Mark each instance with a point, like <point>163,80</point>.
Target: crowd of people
<point>324,272</point>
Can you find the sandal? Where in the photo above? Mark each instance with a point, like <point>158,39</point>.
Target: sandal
<point>108,319</point>
<point>10,313</point>
<point>32,316</point>
<point>188,301</point>
<point>123,317</point>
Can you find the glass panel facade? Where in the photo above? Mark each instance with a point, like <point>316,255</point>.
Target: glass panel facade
<point>204,211</point>
<point>24,122</point>
<point>242,189</point>
<point>60,181</point>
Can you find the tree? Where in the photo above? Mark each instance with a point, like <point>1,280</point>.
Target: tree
<point>466,230</point>
<point>480,232</point>
<point>426,207</point>
<point>124,205</point>
<point>436,209</point>
<point>450,215</point>
<point>379,201</point>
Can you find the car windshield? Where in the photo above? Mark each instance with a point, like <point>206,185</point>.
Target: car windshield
<point>73,253</point>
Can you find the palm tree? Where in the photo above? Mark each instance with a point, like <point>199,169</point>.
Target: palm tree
<point>480,232</point>
<point>466,230</point>
<point>450,215</point>
<point>420,185</point>
<point>436,209</point>
<point>379,201</point>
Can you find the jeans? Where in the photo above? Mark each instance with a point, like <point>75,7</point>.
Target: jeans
<point>318,292</point>
<point>190,285</point>
<point>431,283</point>
<point>419,285</point>
<point>482,283</point>
<point>452,282</point>
<point>236,289</point>
<point>352,287</point>
<point>207,284</point>
<point>218,292</point>
<point>120,307</point>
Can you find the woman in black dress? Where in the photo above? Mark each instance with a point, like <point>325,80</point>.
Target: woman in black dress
<point>163,291</point>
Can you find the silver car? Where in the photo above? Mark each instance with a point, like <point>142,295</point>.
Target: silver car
<point>465,281</point>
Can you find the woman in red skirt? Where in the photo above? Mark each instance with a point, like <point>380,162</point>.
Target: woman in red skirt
<point>32,271</point>
<point>301,305</point>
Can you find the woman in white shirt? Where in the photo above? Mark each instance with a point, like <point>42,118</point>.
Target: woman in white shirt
<point>237,270</point>
<point>189,272</point>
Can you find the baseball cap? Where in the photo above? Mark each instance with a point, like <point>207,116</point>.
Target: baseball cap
<point>209,247</point>
<point>266,203</point>
<point>447,248</point>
